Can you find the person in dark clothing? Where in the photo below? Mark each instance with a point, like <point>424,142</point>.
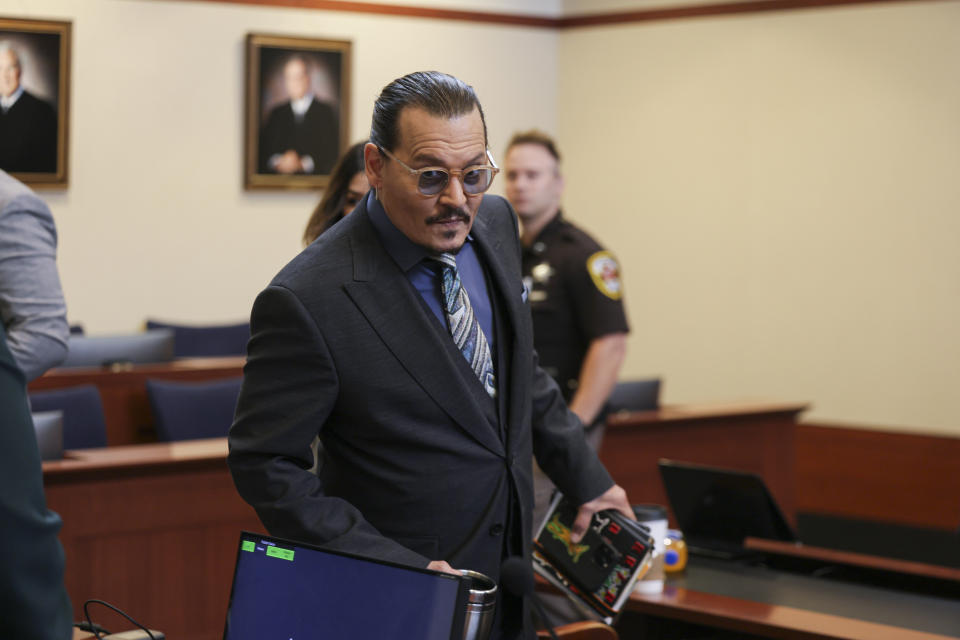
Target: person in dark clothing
<point>348,184</point>
<point>401,338</point>
<point>34,603</point>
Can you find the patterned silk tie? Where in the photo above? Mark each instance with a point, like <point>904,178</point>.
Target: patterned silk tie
<point>463,324</point>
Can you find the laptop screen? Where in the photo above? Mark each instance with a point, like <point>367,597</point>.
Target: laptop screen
<point>717,508</point>
<point>293,591</point>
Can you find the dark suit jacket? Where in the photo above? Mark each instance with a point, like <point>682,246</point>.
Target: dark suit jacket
<point>28,136</point>
<point>415,469</point>
<point>315,135</point>
<point>33,599</point>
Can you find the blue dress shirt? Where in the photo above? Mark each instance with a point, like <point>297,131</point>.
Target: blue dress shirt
<point>424,276</point>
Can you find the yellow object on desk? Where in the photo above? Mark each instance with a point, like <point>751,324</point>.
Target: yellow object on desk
<point>674,552</point>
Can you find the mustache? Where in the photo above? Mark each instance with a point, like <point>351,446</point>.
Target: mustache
<point>450,215</point>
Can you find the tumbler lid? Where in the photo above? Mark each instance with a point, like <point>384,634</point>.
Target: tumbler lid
<point>482,588</point>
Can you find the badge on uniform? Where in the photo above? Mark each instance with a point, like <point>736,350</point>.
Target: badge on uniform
<point>542,273</point>
<point>605,272</point>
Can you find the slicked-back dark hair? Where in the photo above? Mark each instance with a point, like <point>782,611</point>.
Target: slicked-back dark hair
<point>439,94</point>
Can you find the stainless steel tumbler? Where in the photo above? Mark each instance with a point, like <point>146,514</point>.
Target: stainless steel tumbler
<point>480,606</point>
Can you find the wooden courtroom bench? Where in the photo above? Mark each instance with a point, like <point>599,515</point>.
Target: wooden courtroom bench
<point>755,437</point>
<point>153,529</point>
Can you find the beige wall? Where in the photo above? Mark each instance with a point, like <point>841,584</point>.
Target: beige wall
<point>155,221</point>
<point>784,192</point>
<point>781,188</point>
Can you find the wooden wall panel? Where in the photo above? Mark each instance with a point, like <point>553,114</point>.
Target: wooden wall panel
<point>878,475</point>
<point>152,529</point>
<point>758,438</point>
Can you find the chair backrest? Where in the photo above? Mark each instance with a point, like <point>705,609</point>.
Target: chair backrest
<point>586,630</point>
<point>133,348</point>
<point>192,410</point>
<point>635,395</point>
<point>205,341</point>
<point>84,426</point>
<point>48,426</point>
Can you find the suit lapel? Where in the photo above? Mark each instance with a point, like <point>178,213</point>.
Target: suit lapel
<point>388,302</point>
<point>509,288</point>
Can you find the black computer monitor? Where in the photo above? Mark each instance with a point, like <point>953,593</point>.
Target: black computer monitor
<point>717,508</point>
<point>284,589</point>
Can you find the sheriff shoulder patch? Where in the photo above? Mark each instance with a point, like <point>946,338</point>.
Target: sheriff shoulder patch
<point>605,271</point>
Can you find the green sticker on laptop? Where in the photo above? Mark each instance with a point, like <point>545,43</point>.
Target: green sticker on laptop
<point>283,554</point>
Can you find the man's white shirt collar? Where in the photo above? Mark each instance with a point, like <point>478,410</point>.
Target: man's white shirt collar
<point>300,106</point>
<point>7,102</point>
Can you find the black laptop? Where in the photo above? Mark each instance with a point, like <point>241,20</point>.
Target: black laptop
<point>717,508</point>
<point>284,589</point>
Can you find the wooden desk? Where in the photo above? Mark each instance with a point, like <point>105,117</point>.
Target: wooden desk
<point>757,437</point>
<point>766,620</point>
<point>126,407</point>
<point>821,598</point>
<point>152,529</point>
<point>861,560</point>
<point>691,599</point>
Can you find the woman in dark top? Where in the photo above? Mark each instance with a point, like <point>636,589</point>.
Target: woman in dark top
<point>348,184</point>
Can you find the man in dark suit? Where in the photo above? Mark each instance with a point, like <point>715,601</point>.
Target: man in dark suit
<point>33,599</point>
<point>402,338</point>
<point>301,135</point>
<point>28,125</point>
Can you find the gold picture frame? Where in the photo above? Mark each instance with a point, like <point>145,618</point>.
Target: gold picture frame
<point>35,100</point>
<point>297,110</point>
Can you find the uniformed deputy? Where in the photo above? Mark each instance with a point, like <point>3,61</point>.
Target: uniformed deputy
<point>576,299</point>
<point>575,290</point>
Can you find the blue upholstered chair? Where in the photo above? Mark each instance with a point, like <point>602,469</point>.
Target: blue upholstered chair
<point>205,341</point>
<point>131,348</point>
<point>635,395</point>
<point>84,426</point>
<point>192,410</point>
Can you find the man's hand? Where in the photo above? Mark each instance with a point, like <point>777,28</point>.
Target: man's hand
<point>288,163</point>
<point>441,565</point>
<point>613,498</point>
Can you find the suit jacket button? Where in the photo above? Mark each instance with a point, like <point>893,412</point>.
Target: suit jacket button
<point>496,529</point>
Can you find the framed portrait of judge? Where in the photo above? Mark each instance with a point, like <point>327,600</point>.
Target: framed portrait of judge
<point>34,100</point>
<point>297,110</point>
